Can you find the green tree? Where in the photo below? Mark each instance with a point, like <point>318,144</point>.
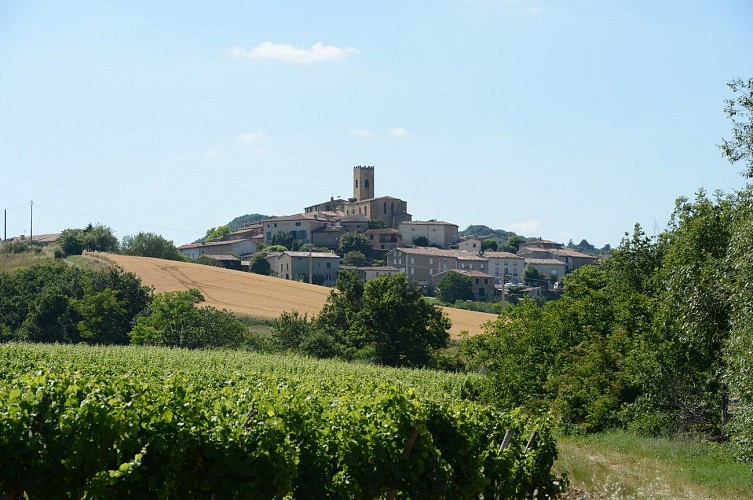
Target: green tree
<point>532,275</point>
<point>455,286</point>
<point>692,321</point>
<point>355,259</point>
<point>283,239</point>
<point>739,109</point>
<point>512,244</point>
<point>403,328</point>
<point>738,372</point>
<point>260,265</point>
<point>290,330</point>
<point>206,260</point>
<point>421,241</point>
<point>377,224</point>
<point>343,305</point>
<point>217,232</point>
<point>150,245</point>
<point>98,238</point>
<point>71,242</point>
<point>354,242</point>
<point>489,245</point>
<point>173,320</point>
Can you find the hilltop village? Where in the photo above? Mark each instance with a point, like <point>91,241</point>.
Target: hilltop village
<point>424,250</point>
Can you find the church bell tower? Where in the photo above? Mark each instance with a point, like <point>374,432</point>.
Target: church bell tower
<point>363,183</point>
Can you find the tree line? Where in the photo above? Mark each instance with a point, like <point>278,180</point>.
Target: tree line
<point>657,338</point>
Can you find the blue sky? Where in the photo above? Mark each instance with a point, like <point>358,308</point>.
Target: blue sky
<point>556,119</point>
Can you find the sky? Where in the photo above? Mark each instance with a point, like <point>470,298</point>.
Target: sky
<point>556,119</point>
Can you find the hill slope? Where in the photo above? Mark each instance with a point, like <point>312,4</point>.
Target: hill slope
<point>253,294</point>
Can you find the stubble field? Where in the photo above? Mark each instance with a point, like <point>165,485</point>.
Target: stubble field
<point>252,294</point>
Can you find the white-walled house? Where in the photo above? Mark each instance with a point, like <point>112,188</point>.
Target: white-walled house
<point>437,232</point>
<point>238,248</point>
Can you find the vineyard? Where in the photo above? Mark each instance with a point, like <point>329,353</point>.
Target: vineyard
<point>128,421</point>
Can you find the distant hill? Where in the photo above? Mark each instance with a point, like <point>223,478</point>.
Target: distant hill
<point>243,220</point>
<point>481,230</point>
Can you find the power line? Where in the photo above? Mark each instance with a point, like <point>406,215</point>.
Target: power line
<point>102,217</point>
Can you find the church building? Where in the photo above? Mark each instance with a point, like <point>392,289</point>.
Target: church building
<point>391,210</point>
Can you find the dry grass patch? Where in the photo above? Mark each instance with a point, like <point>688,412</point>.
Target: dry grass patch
<point>621,465</point>
<point>252,294</point>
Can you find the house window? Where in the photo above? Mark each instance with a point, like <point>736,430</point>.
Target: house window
<point>553,272</point>
<point>329,265</point>
<point>371,236</point>
<point>413,270</point>
<point>431,261</point>
<point>269,235</point>
<point>412,260</point>
<point>297,223</point>
<point>486,281</point>
<point>477,281</point>
<point>275,224</point>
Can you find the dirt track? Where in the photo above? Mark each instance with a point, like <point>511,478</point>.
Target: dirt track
<point>252,294</point>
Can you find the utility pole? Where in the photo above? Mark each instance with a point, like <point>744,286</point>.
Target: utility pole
<point>311,268</point>
<point>5,224</point>
<point>31,220</point>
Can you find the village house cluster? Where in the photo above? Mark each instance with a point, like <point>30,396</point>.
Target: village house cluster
<point>323,224</point>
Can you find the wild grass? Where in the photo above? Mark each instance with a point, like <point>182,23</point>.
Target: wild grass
<point>622,465</point>
<point>90,262</point>
<point>11,263</point>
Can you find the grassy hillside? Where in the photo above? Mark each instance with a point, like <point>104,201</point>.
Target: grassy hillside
<point>13,262</point>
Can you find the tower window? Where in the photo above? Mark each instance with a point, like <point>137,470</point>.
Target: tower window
<point>366,183</point>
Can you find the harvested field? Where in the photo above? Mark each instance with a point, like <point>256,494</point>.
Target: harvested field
<point>252,294</point>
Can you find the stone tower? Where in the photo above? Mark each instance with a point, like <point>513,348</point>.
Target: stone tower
<point>363,183</point>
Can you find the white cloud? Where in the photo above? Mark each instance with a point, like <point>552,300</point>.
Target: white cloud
<point>525,228</point>
<point>536,10</point>
<point>252,138</point>
<point>213,153</point>
<point>399,132</point>
<point>295,55</point>
<point>360,132</point>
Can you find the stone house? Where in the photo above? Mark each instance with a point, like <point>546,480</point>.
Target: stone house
<point>383,239</point>
<point>420,264</point>
<point>436,232</point>
<point>289,265</point>
<point>470,244</point>
<point>367,273</point>
<point>482,284</point>
<point>300,226</point>
<point>551,269</point>
<point>238,248</point>
<point>505,266</point>
<point>543,249</point>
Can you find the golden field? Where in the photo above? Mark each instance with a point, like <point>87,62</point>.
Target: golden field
<point>253,294</point>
